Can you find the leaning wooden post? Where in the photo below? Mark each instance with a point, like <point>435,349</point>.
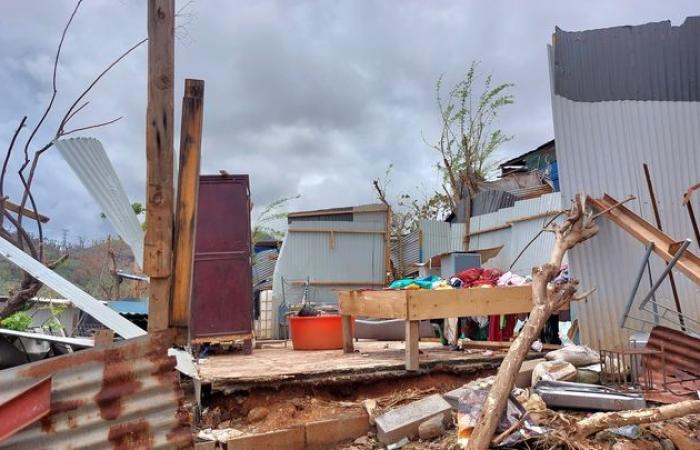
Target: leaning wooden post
<point>578,226</point>
<point>158,243</point>
<point>186,210</point>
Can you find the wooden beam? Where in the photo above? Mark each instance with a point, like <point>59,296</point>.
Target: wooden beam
<point>645,232</point>
<point>432,304</point>
<point>387,246</point>
<point>346,323</point>
<point>333,230</point>
<point>14,207</point>
<point>335,283</point>
<point>412,351</point>
<point>375,304</point>
<point>186,211</point>
<point>158,242</point>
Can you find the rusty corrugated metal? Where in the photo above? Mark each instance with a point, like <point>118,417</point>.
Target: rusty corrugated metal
<point>675,371</point>
<point>123,396</point>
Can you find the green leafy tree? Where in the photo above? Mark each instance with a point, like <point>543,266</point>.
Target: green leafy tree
<point>469,135</point>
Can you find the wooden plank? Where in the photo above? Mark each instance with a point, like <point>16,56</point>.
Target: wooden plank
<point>10,206</point>
<point>187,194</point>
<point>224,339</point>
<point>346,322</point>
<point>435,304</point>
<point>387,246</point>
<point>495,345</point>
<point>333,230</point>
<point>645,232</point>
<point>412,335</point>
<point>158,241</point>
<point>375,304</point>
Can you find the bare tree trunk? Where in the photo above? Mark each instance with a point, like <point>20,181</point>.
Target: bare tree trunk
<point>578,227</point>
<point>603,421</point>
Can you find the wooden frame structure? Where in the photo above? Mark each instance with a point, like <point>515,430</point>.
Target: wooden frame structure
<point>416,305</point>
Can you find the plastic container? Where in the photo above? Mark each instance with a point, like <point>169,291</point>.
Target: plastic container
<point>317,332</point>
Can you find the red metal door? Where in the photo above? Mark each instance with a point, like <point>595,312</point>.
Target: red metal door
<point>222,303</point>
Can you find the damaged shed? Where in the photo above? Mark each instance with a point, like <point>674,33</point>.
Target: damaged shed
<point>623,97</point>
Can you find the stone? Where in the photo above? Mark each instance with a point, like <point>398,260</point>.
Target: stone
<point>404,421</point>
<point>257,414</point>
<point>362,440</point>
<point>298,403</point>
<point>431,428</point>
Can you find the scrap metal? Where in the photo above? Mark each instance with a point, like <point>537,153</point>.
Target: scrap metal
<point>126,395</point>
<point>675,367</point>
<point>25,408</point>
<point>74,341</point>
<point>89,161</point>
<point>77,296</point>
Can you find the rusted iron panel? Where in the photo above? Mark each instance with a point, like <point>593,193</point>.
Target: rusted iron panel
<point>222,302</point>
<point>124,396</point>
<point>675,369</point>
<point>25,408</point>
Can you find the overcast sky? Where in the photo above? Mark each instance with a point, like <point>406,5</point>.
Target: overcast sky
<point>311,98</point>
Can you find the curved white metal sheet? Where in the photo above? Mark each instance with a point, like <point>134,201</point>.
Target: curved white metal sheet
<point>89,161</point>
<point>80,298</point>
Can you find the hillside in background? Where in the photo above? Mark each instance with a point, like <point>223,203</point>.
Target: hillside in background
<point>89,266</point>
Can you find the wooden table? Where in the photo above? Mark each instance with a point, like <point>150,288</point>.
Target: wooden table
<point>416,305</point>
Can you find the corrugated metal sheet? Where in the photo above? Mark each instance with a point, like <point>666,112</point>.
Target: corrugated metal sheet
<point>512,228</point>
<point>263,269</point>
<point>601,148</point>
<point>436,238</point>
<point>77,296</point>
<point>489,201</point>
<point>356,259</point>
<point>89,161</point>
<point>655,61</point>
<point>124,396</point>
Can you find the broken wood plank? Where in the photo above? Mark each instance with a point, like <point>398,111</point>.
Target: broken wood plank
<point>158,242</point>
<point>495,345</point>
<point>187,194</point>
<point>14,207</point>
<point>645,233</point>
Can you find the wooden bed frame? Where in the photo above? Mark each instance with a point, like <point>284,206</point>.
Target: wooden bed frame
<point>416,305</point>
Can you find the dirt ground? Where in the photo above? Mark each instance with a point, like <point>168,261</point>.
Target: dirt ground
<point>291,406</point>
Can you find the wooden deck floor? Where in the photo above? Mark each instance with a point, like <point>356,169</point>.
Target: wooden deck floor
<point>278,364</point>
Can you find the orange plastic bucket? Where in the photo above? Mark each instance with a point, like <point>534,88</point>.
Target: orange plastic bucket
<point>317,332</point>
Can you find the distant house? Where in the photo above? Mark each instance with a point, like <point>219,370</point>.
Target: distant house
<point>526,176</point>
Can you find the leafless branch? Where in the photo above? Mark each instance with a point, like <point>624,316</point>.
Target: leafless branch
<point>89,127</point>
<point>64,121</point>
<point>53,81</point>
<point>8,154</point>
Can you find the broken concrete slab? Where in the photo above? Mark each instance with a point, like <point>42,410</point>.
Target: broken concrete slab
<point>524,378</point>
<point>405,420</point>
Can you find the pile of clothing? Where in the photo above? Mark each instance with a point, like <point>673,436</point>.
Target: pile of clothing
<point>500,327</point>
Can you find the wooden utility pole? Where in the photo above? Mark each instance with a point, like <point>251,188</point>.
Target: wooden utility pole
<point>186,210</point>
<point>159,160</point>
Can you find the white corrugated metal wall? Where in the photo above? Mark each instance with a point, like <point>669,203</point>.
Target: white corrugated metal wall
<point>601,147</point>
<point>353,258</point>
<point>504,228</point>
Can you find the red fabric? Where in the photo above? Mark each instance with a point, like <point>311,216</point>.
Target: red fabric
<point>498,334</point>
<point>478,277</point>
